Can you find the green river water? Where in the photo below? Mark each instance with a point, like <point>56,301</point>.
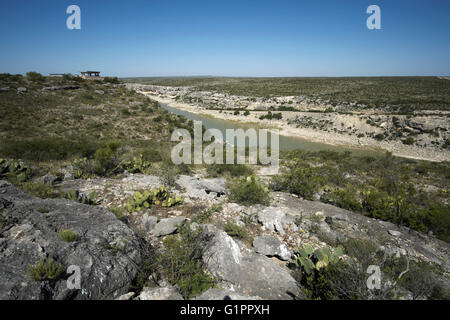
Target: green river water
<point>286,142</point>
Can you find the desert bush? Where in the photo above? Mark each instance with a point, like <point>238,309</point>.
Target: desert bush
<point>184,255</point>
<point>422,282</point>
<point>35,76</point>
<point>249,190</point>
<point>106,159</point>
<point>47,269</point>
<point>346,198</point>
<point>113,80</point>
<point>300,179</point>
<point>180,263</point>
<point>41,190</point>
<point>233,230</point>
<point>68,235</point>
<point>119,213</point>
<point>347,278</point>
<point>204,216</point>
<point>45,149</point>
<point>168,172</point>
<point>409,141</point>
<point>270,116</point>
<point>77,196</point>
<point>151,155</point>
<point>234,170</point>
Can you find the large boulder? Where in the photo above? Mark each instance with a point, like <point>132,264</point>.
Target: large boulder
<point>148,222</point>
<point>164,293</point>
<point>272,247</point>
<point>167,226</point>
<point>197,187</point>
<point>276,220</point>
<point>249,274</point>
<point>106,251</point>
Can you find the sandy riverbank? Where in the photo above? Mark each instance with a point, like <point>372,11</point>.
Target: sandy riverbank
<point>314,135</point>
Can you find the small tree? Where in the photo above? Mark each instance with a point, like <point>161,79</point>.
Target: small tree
<point>35,76</point>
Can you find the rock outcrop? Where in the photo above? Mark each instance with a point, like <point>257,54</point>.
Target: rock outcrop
<point>167,226</point>
<point>197,187</point>
<point>249,274</point>
<point>106,251</point>
<point>271,247</point>
<point>163,293</point>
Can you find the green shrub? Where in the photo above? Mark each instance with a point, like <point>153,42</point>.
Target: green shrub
<point>119,213</point>
<point>43,210</point>
<point>113,80</point>
<point>68,235</point>
<point>377,203</point>
<point>35,76</point>
<point>180,263</point>
<point>151,155</point>
<point>233,230</point>
<point>234,170</point>
<point>300,179</point>
<point>45,149</point>
<point>204,216</point>
<point>41,190</point>
<point>249,191</point>
<point>74,195</point>
<point>422,282</point>
<point>409,141</point>
<point>436,218</point>
<point>118,246</point>
<point>106,160</point>
<point>270,116</point>
<point>346,198</point>
<point>168,174</point>
<point>47,269</point>
<point>4,167</point>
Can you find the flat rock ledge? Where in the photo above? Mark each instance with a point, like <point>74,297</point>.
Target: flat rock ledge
<point>106,251</point>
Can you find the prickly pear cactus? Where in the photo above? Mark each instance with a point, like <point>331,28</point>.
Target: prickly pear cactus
<point>310,259</point>
<point>137,165</point>
<point>157,196</point>
<point>4,167</point>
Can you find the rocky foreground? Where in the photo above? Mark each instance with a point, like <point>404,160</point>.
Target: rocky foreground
<point>109,251</point>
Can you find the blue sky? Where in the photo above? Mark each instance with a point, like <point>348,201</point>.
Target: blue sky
<point>227,38</point>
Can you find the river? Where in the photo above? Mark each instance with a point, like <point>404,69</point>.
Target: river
<point>286,142</point>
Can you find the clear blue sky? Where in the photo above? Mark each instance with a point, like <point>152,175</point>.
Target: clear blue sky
<point>228,38</point>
